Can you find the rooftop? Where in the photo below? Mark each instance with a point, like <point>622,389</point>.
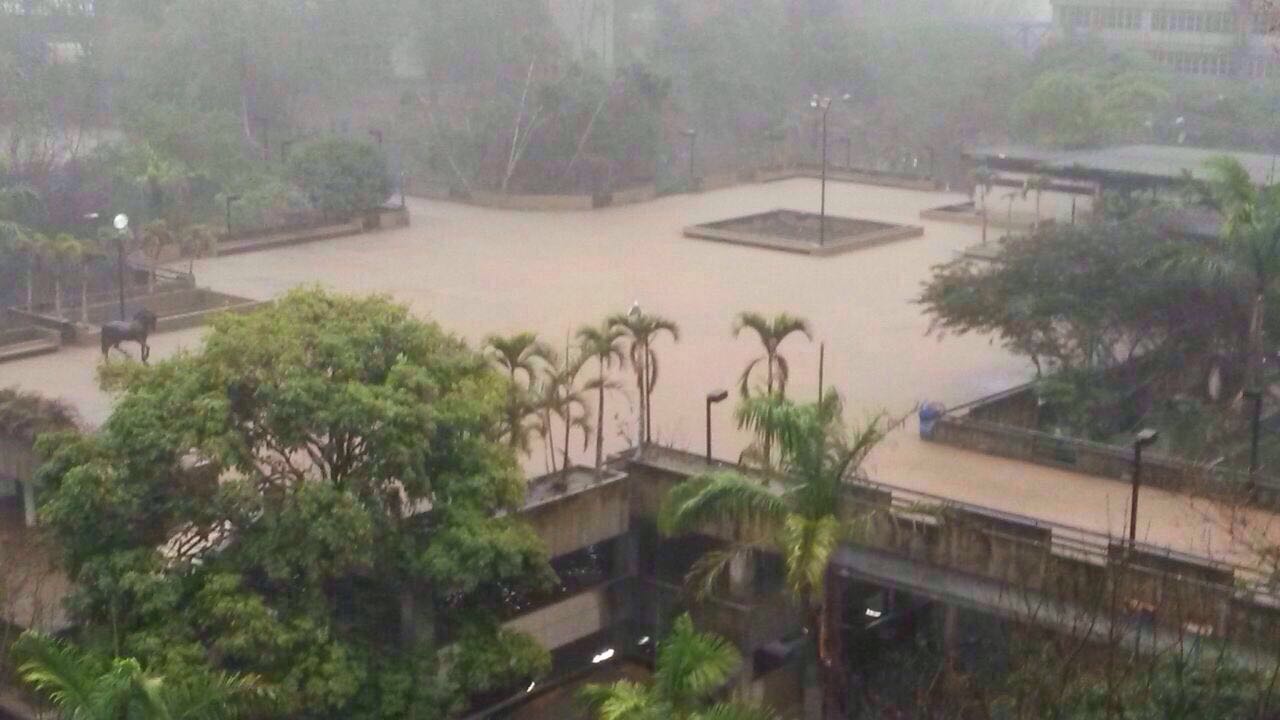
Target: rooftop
<point>1162,163</point>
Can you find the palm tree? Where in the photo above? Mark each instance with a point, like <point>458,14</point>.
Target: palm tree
<point>691,669</point>
<point>156,236</point>
<point>802,518</point>
<point>84,687</point>
<point>21,242</point>
<point>63,254</point>
<point>772,333</point>
<point>1249,254</point>
<point>560,396</point>
<point>601,343</point>
<point>642,330</point>
<point>197,241</point>
<point>983,179</point>
<point>1037,184</point>
<point>518,354</point>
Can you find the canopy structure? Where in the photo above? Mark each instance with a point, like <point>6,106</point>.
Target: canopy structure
<point>1123,166</point>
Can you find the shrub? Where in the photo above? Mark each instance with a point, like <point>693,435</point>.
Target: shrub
<point>340,176</point>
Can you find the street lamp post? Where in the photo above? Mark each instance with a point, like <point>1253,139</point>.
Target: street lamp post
<point>713,398</point>
<point>693,142</point>
<point>824,104</point>
<point>121,224</point>
<point>1256,428</point>
<point>1141,440</point>
<point>230,199</point>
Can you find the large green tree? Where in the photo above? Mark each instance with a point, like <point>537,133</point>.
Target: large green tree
<point>1248,256</point>
<point>308,497</point>
<point>802,519</point>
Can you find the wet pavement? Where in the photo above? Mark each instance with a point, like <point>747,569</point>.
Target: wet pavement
<point>480,271</point>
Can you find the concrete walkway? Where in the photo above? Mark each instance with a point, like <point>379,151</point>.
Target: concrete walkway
<point>479,271</point>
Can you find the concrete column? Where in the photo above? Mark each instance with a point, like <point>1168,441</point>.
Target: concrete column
<point>626,555</point>
<point>949,633</point>
<point>28,502</point>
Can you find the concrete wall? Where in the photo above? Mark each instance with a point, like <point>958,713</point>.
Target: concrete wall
<point>583,518</point>
<point>1115,462</point>
<point>574,618</point>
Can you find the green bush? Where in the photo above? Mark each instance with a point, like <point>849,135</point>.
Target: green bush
<point>341,177</point>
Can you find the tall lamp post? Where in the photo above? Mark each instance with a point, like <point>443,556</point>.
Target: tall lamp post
<point>121,224</point>
<point>1141,440</point>
<point>824,104</point>
<point>717,396</point>
<point>230,199</point>
<point>1256,428</point>
<point>693,142</point>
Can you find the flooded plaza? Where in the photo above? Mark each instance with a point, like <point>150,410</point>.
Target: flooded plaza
<point>478,271</point>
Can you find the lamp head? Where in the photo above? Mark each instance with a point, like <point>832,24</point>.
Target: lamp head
<point>1145,437</point>
<point>717,396</point>
<point>635,310</point>
<point>121,222</point>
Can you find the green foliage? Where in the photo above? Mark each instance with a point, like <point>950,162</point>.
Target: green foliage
<point>26,415</point>
<point>802,518</point>
<point>83,686</point>
<point>692,668</point>
<point>342,177</point>
<point>267,503</point>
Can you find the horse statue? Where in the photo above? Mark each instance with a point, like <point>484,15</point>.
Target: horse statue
<point>143,324</point>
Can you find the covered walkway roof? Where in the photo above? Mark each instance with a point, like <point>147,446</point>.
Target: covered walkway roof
<point>1135,164</point>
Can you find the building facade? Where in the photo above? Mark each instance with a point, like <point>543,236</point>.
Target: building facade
<point>1223,38</point>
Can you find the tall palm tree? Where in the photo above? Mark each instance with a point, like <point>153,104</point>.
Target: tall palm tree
<point>26,245</point>
<point>802,518</point>
<point>561,397</point>
<point>642,331</point>
<point>771,332</point>
<point>84,687</point>
<point>1035,184</point>
<point>156,236</point>
<point>1249,254</point>
<point>197,240</point>
<point>691,669</point>
<point>603,344</point>
<point>517,355</point>
<point>64,254</point>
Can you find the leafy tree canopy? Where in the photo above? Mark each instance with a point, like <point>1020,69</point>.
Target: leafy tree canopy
<point>305,498</point>
<point>342,176</point>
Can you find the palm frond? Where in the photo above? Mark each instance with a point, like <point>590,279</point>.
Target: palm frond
<point>705,574</point>
<point>624,700</point>
<point>691,666</point>
<point>807,545</point>
<point>63,675</point>
<point>720,496</point>
<point>734,711</point>
<point>744,382</point>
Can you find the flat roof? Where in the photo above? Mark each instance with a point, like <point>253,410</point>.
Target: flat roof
<point>1170,162</point>
<point>1161,163</point>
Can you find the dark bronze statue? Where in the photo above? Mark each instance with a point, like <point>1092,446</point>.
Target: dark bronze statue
<point>143,324</point>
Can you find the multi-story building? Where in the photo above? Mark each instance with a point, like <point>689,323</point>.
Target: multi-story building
<point>1228,38</point>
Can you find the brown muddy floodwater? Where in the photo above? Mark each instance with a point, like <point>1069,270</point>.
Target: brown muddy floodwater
<point>479,271</point>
